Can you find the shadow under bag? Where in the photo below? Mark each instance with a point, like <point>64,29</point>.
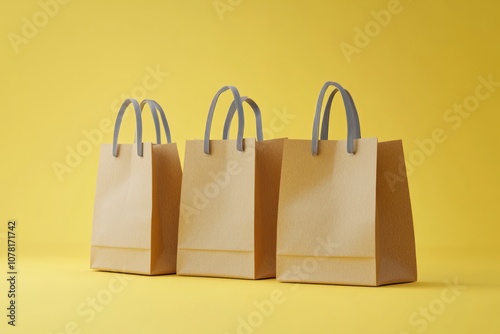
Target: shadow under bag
<point>344,213</point>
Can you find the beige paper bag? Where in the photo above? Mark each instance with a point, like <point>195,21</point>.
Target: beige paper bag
<point>342,219</point>
<point>136,208</point>
<point>229,198</point>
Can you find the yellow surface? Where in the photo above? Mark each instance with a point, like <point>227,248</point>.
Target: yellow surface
<point>66,67</point>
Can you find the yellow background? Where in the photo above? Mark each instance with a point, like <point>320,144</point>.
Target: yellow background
<point>68,75</point>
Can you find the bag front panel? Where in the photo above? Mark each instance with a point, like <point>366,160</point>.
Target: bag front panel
<point>327,202</point>
<point>123,200</point>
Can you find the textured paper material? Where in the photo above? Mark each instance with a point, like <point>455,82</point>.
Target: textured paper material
<point>136,210</point>
<point>339,220</point>
<point>229,199</point>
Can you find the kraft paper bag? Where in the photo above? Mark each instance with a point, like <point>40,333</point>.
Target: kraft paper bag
<point>229,201</point>
<point>342,217</point>
<point>136,208</point>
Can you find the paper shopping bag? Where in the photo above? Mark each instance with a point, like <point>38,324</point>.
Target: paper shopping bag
<point>341,218</point>
<point>229,199</point>
<point>136,207</point>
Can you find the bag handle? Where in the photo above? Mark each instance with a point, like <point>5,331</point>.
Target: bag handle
<point>138,121</point>
<point>326,116</point>
<point>230,114</point>
<point>241,120</point>
<point>155,109</point>
<point>353,128</point>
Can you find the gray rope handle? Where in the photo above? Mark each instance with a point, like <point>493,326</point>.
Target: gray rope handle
<point>154,113</point>
<point>241,120</point>
<point>155,109</point>
<point>326,116</point>
<point>230,115</point>
<point>353,128</point>
<point>138,121</point>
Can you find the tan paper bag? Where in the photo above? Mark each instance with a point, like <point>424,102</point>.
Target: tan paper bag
<point>136,208</point>
<point>342,219</point>
<point>229,199</point>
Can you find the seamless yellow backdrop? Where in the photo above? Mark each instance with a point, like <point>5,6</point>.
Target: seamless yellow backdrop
<point>422,71</point>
